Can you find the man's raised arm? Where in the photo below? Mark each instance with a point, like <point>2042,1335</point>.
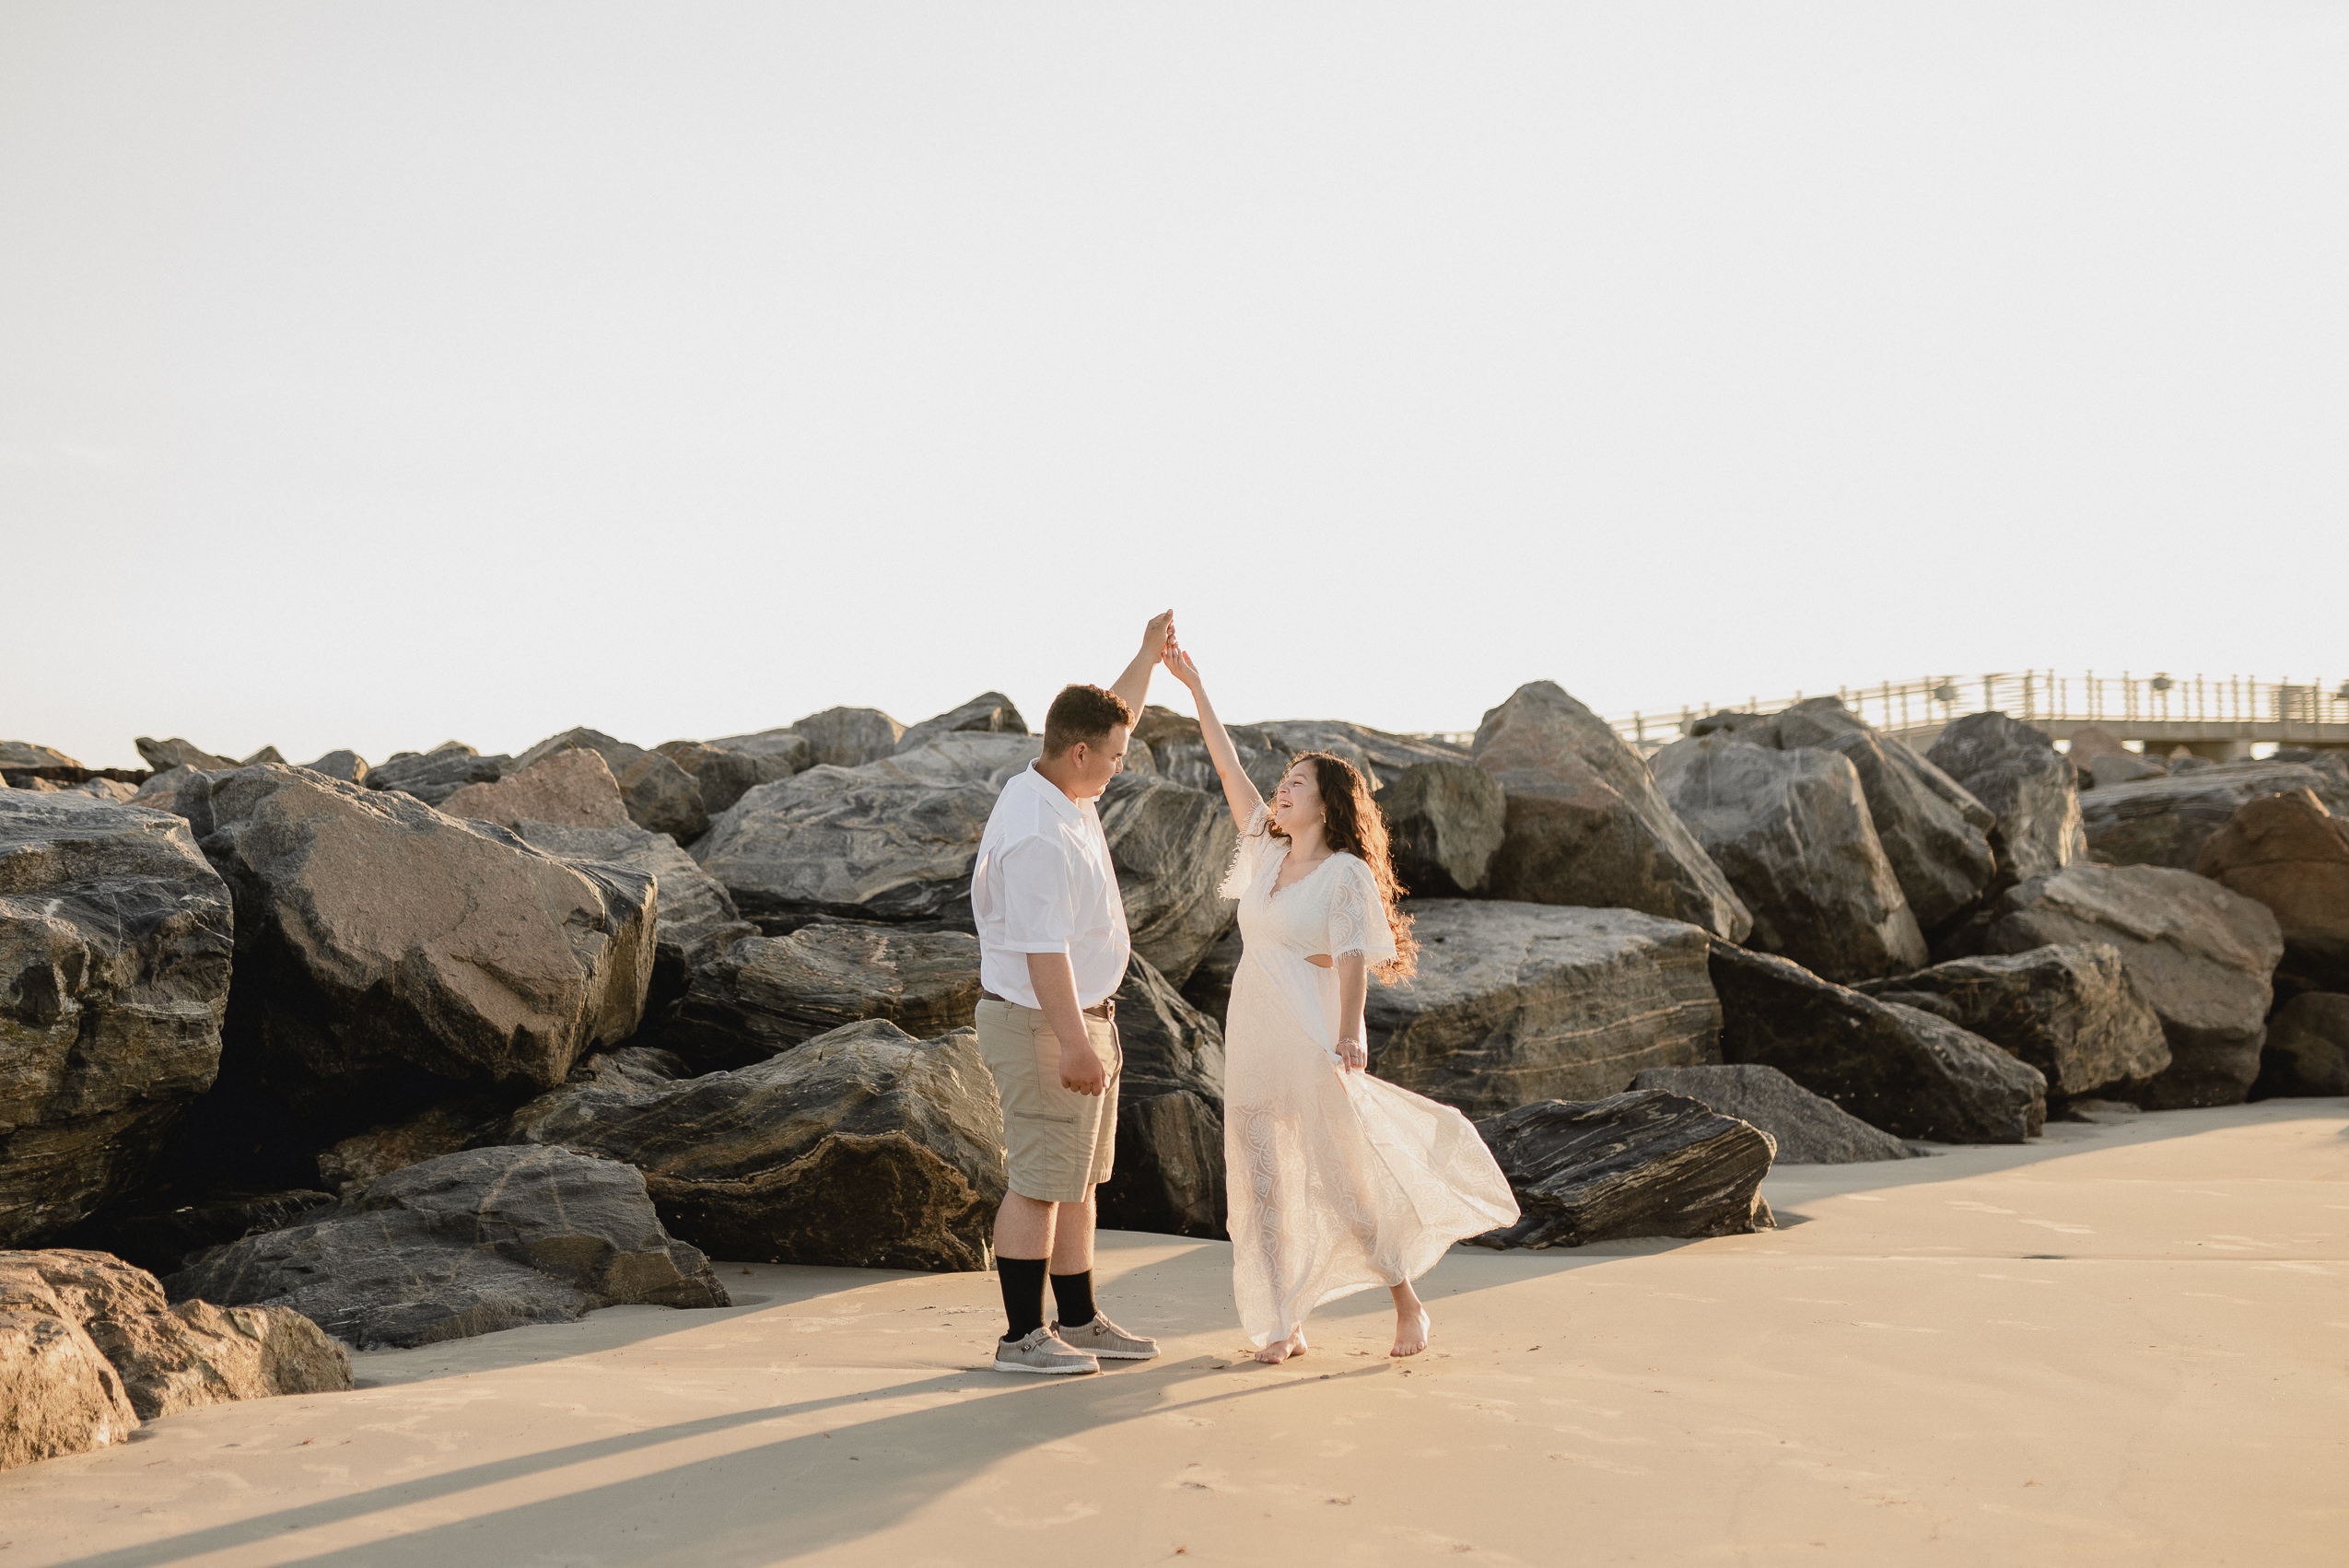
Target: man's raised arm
<point>1134,684</point>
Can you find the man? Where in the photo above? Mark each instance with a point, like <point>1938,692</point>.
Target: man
<point>1052,949</point>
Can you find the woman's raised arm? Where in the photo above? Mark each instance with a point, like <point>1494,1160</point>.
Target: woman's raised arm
<point>1239,789</point>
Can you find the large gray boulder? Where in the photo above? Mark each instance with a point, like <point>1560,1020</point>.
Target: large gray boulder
<point>2166,822</point>
<point>467,1244</point>
<point>344,763</point>
<point>1210,986</point>
<point>1898,1068</point>
<point>890,841</point>
<point>659,794</point>
<point>1587,825</point>
<point>178,1358</point>
<point>1445,820</point>
<point>1792,832</point>
<point>2200,956</point>
<point>163,756</point>
<point>2069,1009</point>
<point>1934,831</point>
<point>375,937</point>
<point>2307,1047</point>
<point>863,1148</point>
<point>1382,755</point>
<point>989,713</point>
<point>1178,753</point>
<point>432,776</point>
<point>1514,1002</point>
<point>1170,846</point>
<point>1642,1164</point>
<point>849,737</point>
<point>695,921</point>
<point>1806,1128</point>
<point>2289,853</point>
<point>115,944</point>
<point>1168,1175</point>
<point>25,753</point>
<point>574,787</point>
<point>768,994</point>
<point>771,755</point>
<point>2031,789</point>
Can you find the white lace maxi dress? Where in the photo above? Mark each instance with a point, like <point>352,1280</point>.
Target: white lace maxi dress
<point>1340,1181</point>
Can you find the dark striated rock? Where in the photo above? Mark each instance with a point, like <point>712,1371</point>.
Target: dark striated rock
<point>1585,823</point>
<point>1898,1068</point>
<point>458,1122</point>
<point>161,1240</point>
<point>2166,822</point>
<point>2289,853</point>
<point>1444,822</point>
<point>375,937</point>
<point>115,945</point>
<point>864,1148</point>
<point>1807,1130</point>
<point>989,713</point>
<point>1934,831</point>
<point>849,737</point>
<point>695,920</point>
<point>890,841</point>
<point>2200,956</point>
<point>432,776</point>
<point>768,994</point>
<point>2031,789</point>
<point>2307,1047</point>
<point>1169,1175</point>
<point>1210,986</point>
<point>1515,1003</point>
<point>574,787</point>
<point>2071,1010</point>
<point>181,1358</point>
<point>1170,846</point>
<point>1642,1163</point>
<point>466,1244</point>
<point>175,753</point>
<point>1792,832</point>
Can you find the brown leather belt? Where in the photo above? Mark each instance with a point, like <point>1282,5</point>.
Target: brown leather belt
<point>1104,1010</point>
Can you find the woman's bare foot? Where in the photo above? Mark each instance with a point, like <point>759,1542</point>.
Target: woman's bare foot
<point>1294,1345</point>
<point>1411,1321</point>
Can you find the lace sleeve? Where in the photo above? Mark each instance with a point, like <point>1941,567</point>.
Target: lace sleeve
<point>1358,915</point>
<point>1247,855</point>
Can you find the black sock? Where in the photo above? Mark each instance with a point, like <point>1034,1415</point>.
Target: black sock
<point>1022,1282</point>
<point>1072,1293</point>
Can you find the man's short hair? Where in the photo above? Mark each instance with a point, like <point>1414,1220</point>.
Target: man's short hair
<point>1083,713</point>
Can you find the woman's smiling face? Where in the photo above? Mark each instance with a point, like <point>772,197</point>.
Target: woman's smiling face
<point>1296,805</point>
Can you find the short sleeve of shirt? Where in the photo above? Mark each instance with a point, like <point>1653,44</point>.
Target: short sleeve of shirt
<point>1039,896</point>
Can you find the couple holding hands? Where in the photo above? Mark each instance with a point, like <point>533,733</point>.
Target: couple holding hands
<point>1338,1181</point>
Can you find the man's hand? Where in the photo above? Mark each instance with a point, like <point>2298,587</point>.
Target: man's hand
<point>1081,1070</point>
<point>1133,686</point>
<point>1159,635</point>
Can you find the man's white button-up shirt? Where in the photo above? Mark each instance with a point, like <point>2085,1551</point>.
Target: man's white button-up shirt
<point>1044,884</point>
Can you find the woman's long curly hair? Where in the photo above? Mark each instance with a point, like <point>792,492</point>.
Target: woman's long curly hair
<point>1351,821</point>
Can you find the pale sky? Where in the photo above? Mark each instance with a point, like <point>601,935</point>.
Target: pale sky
<point>376,374</point>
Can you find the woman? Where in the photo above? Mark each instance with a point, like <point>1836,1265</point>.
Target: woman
<point>1338,1181</point>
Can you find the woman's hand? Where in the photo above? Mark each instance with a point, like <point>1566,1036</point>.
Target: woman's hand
<point>1178,664</point>
<point>1353,1055</point>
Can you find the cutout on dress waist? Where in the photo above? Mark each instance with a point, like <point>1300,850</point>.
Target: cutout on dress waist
<point>1321,960</point>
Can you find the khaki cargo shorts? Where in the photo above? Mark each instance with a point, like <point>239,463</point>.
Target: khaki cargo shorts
<point>1057,1142</point>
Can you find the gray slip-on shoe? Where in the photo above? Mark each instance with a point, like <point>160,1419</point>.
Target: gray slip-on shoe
<point>1104,1338</point>
<point>1042,1352</point>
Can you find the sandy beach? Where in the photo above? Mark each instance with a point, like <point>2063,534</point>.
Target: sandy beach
<point>2121,1343</point>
